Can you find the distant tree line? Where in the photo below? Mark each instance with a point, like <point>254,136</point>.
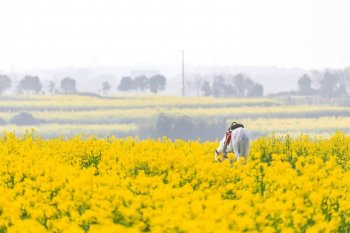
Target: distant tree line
<point>239,85</point>
<point>154,84</point>
<point>33,85</point>
<point>326,83</point>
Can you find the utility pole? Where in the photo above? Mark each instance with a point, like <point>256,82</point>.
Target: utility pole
<point>345,54</point>
<point>183,73</point>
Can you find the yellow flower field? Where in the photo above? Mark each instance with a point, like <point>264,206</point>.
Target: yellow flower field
<point>142,115</point>
<point>67,130</point>
<point>71,102</point>
<point>125,185</point>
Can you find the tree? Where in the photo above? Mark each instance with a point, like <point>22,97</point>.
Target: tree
<point>5,83</point>
<point>304,84</point>
<point>233,86</point>
<point>193,85</point>
<point>256,90</point>
<point>218,86</point>
<point>68,85</point>
<point>206,89</point>
<point>126,84</point>
<point>244,86</point>
<point>328,83</point>
<point>157,83</point>
<point>340,90</point>
<point>342,81</point>
<point>30,84</point>
<point>106,87</point>
<point>240,84</point>
<point>141,83</point>
<point>332,82</point>
<point>51,87</point>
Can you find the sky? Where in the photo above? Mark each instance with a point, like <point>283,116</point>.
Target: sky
<point>81,33</point>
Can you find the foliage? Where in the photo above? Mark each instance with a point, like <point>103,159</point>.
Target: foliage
<point>68,85</point>
<point>206,89</point>
<point>24,118</point>
<point>304,84</point>
<point>126,84</point>
<point>332,82</point>
<point>30,84</point>
<point>238,85</point>
<point>124,185</point>
<point>51,87</point>
<point>52,130</point>
<point>5,83</point>
<point>141,83</point>
<point>106,87</point>
<point>155,83</point>
<point>185,128</point>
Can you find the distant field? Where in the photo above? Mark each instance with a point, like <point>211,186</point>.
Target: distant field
<point>322,126</point>
<point>134,115</point>
<point>69,103</point>
<point>144,113</point>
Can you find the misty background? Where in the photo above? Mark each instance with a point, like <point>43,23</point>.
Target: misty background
<point>273,42</point>
<point>294,51</point>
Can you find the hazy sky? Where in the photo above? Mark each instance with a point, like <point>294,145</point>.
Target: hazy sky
<point>288,33</point>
